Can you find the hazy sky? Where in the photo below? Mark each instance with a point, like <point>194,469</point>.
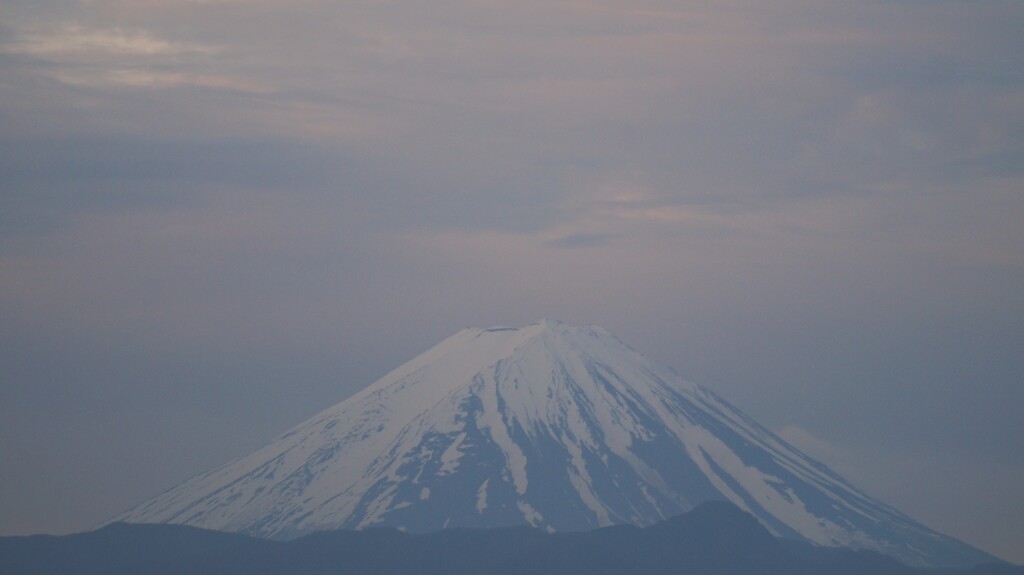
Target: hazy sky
<point>218,217</point>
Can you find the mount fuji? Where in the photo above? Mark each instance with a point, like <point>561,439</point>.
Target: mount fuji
<point>558,427</point>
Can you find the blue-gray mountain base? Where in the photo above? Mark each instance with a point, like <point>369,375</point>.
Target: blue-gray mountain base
<point>713,539</point>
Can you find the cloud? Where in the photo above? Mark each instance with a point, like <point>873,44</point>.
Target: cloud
<point>115,57</point>
<point>75,42</point>
<point>141,78</point>
<point>813,207</point>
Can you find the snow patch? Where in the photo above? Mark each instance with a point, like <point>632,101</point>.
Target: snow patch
<point>481,496</point>
<point>532,516</point>
<point>450,457</point>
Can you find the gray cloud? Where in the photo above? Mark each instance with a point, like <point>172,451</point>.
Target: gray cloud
<point>218,217</point>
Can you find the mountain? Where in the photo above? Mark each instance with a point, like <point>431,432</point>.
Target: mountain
<point>557,427</point>
<point>716,538</point>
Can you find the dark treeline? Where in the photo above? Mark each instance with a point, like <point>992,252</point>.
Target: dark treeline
<point>714,539</point>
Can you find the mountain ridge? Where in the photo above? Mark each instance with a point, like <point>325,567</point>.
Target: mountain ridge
<point>715,538</point>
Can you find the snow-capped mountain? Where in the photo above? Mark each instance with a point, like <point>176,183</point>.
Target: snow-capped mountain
<point>554,426</point>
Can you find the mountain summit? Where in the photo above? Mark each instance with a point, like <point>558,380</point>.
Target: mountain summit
<point>558,427</point>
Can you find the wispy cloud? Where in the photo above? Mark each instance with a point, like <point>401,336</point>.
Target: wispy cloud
<point>143,78</point>
<point>75,42</point>
<point>115,57</point>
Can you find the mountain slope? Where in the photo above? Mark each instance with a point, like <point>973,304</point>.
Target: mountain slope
<point>558,427</point>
